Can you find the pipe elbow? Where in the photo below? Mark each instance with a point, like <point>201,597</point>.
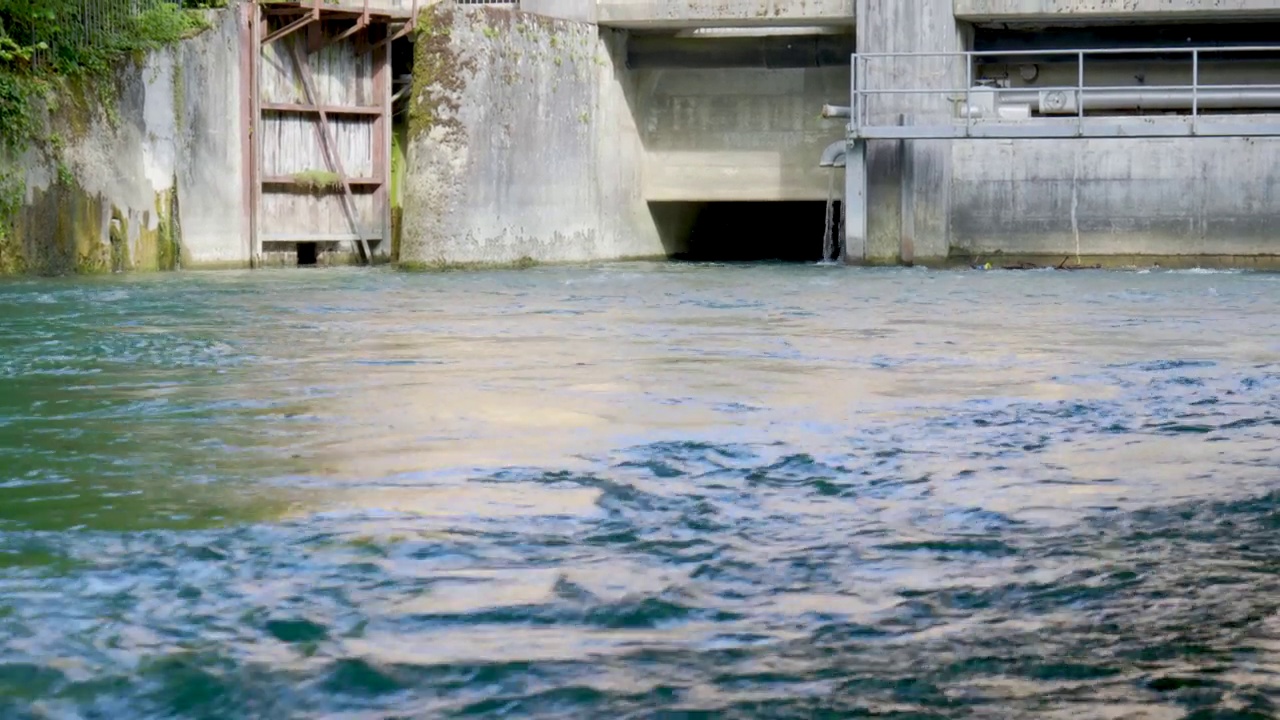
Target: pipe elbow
<point>834,154</point>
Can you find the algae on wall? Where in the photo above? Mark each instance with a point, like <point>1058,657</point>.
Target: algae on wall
<point>399,141</point>
<point>78,200</point>
<point>12,190</point>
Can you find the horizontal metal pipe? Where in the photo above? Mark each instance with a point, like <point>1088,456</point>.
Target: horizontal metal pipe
<point>1206,49</point>
<point>836,111</point>
<point>1168,100</point>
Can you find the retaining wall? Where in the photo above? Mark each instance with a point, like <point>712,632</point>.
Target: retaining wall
<point>142,173</point>
<point>1212,199</point>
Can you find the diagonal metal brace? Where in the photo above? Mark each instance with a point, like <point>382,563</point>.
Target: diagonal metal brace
<point>328,145</point>
<point>311,17</point>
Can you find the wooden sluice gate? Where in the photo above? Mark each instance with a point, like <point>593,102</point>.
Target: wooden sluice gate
<point>317,99</point>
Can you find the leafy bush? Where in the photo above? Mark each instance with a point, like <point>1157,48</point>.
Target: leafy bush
<point>41,40</point>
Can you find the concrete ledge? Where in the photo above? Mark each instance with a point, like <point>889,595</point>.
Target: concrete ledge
<point>1076,11</point>
<point>681,14</point>
<point>728,176</point>
<point>1111,262</point>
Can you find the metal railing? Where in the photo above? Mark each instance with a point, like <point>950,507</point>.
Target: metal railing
<point>87,23</point>
<point>1078,108</point>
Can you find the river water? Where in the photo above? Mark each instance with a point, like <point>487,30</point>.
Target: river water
<point>641,491</point>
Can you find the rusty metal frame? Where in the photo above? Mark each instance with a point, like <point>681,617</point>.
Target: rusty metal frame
<point>312,16</point>
<point>409,25</point>
<point>258,24</point>
<point>328,146</point>
<point>382,131</point>
<point>361,23</point>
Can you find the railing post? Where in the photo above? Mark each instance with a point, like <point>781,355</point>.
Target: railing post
<point>1195,91</point>
<point>968,93</point>
<point>853,92</point>
<point>857,95</point>
<point>1080,93</point>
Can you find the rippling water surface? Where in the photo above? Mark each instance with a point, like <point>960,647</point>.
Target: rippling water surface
<point>641,491</point>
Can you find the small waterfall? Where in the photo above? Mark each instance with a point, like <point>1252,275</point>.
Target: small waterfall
<point>844,212</point>
<point>827,239</point>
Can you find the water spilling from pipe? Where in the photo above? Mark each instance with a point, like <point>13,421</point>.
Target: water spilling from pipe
<point>827,239</point>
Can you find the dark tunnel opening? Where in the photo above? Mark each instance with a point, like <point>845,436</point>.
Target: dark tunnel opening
<point>308,254</point>
<point>749,231</point>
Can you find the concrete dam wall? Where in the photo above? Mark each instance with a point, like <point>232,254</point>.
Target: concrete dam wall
<point>681,109</point>
<point>530,138</point>
<point>582,130</point>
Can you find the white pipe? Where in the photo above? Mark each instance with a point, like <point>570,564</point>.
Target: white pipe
<point>834,154</point>
<point>1157,100</point>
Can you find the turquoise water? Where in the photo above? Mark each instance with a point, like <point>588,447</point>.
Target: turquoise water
<point>640,491</point>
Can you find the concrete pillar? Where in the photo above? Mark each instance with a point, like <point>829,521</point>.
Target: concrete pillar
<point>855,203</point>
<point>908,191</point>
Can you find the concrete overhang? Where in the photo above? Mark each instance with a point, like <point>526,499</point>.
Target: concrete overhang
<point>1074,12</point>
<point>689,14</point>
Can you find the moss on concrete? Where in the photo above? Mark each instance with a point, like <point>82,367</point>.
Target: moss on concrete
<point>118,235</point>
<point>61,229</point>
<point>12,190</point>
<point>157,244</point>
<point>446,266</point>
<point>399,162</point>
<point>439,76</point>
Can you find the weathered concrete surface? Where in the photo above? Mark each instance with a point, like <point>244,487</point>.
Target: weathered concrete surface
<point>737,133</point>
<point>908,194</point>
<point>143,175</point>
<point>210,161</point>
<point>1134,197</point>
<point>654,14</point>
<point>583,11</point>
<point>1057,11</point>
<point>522,144</point>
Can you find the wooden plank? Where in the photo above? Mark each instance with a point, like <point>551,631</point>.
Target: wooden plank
<point>315,37</point>
<point>343,77</point>
<point>291,145</point>
<point>326,142</point>
<point>290,180</point>
<point>329,109</point>
<point>288,212</point>
<point>312,237</point>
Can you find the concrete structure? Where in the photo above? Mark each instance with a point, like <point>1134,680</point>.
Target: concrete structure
<point>530,138</point>
<point>546,167</point>
<point>667,14</point>
<point>1083,11</point>
<point>694,103</point>
<point>149,178</point>
<point>211,153</point>
<point>576,130</point>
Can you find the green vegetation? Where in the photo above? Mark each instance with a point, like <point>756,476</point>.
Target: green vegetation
<point>317,180</point>
<point>45,42</point>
